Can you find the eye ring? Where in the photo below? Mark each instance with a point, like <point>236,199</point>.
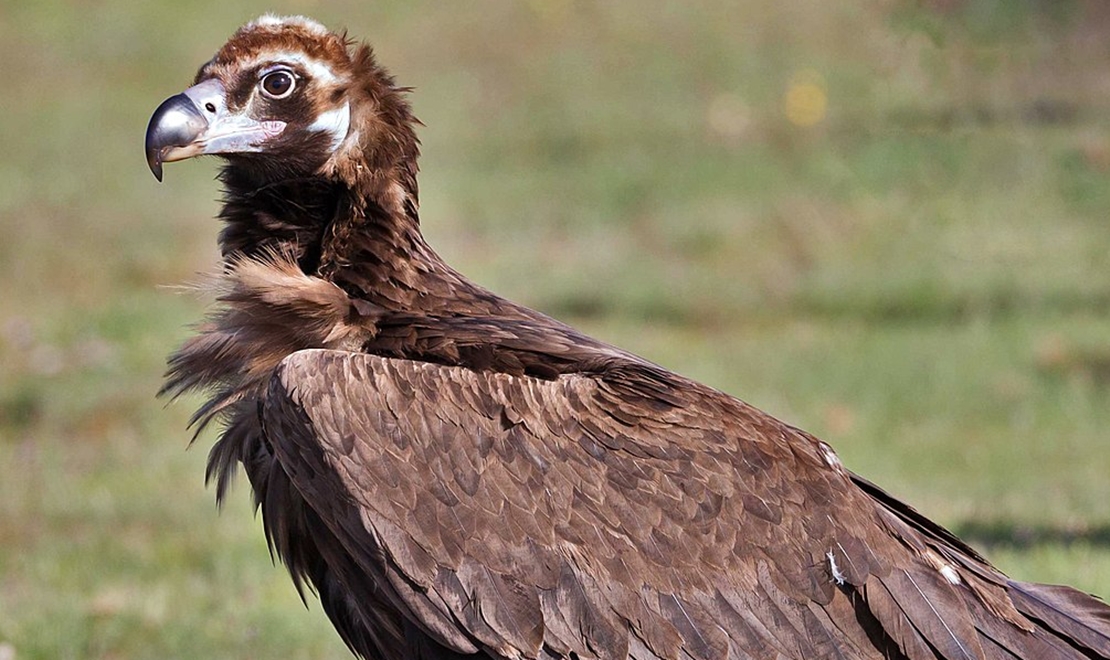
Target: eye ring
<point>278,84</point>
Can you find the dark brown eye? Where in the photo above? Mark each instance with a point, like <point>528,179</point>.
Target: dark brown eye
<point>278,84</point>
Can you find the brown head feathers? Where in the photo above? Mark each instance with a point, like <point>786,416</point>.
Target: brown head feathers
<point>271,35</point>
<point>356,124</point>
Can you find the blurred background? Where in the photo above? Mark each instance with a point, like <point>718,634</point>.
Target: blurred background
<point>884,222</point>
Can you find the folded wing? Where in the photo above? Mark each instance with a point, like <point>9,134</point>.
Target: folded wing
<point>625,512</point>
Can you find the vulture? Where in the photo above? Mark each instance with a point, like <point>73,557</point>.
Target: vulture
<point>458,476</point>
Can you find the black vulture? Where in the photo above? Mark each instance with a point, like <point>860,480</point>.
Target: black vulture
<point>458,475</point>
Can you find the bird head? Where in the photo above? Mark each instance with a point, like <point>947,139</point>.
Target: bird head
<point>288,98</point>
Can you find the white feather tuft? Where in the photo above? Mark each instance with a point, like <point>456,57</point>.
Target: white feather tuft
<point>275,21</point>
<point>950,574</point>
<point>336,122</point>
<point>830,456</point>
<point>838,577</point>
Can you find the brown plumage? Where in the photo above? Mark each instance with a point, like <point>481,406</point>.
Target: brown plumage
<point>455,474</point>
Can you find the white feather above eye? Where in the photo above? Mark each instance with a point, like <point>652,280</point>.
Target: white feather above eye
<point>314,68</point>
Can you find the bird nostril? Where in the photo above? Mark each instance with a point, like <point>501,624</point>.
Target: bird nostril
<point>210,107</point>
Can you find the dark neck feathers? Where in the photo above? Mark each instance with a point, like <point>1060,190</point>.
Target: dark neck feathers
<point>317,219</point>
<point>353,218</point>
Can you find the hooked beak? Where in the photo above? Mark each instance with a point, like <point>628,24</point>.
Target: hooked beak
<point>197,122</point>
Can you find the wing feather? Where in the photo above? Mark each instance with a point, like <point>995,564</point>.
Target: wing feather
<point>624,511</point>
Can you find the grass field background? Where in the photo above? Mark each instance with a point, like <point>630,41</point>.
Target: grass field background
<point>884,222</point>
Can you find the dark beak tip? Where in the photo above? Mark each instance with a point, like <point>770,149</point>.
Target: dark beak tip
<point>175,123</point>
<point>154,162</point>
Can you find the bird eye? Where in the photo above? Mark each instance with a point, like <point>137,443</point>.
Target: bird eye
<point>278,84</point>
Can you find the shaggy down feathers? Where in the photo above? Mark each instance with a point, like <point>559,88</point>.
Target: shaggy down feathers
<point>456,475</point>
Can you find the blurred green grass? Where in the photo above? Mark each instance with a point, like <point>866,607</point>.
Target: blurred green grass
<point>921,277</point>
